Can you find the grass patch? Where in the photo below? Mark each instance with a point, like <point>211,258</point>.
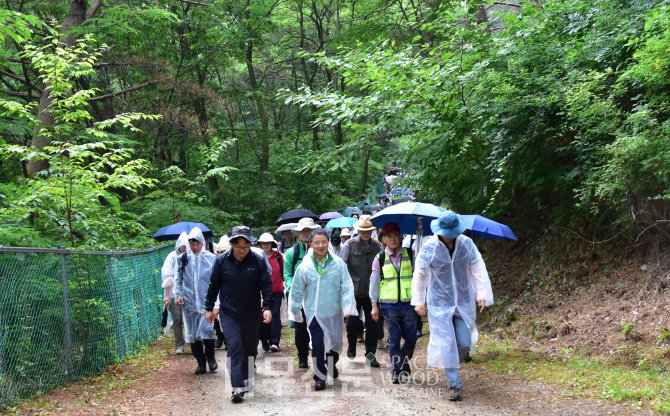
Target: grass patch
<point>576,376</point>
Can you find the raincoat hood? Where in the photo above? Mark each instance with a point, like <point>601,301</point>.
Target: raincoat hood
<point>196,234</point>
<point>181,241</point>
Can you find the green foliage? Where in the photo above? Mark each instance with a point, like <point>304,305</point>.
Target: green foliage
<point>627,329</point>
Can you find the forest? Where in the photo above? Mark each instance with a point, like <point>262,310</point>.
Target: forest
<point>116,117</point>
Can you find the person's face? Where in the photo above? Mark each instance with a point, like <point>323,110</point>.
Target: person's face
<point>182,249</point>
<point>365,235</point>
<point>288,235</point>
<point>195,245</point>
<point>320,245</point>
<point>392,240</point>
<point>304,234</point>
<point>344,238</point>
<point>241,248</point>
<point>267,247</point>
<point>323,224</point>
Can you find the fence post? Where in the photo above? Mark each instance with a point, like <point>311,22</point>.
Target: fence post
<point>120,343</point>
<point>138,283</point>
<point>67,336</point>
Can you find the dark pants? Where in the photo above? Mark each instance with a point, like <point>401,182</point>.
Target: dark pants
<point>199,355</point>
<point>218,331</point>
<point>319,354</point>
<point>242,343</point>
<point>370,327</point>
<point>401,324</point>
<point>380,323</point>
<point>271,333</point>
<point>302,338</point>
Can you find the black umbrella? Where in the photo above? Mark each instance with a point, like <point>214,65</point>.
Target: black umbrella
<point>384,196</point>
<point>295,215</point>
<point>371,208</point>
<point>406,198</point>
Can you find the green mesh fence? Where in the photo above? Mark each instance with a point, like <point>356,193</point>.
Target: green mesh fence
<point>65,315</point>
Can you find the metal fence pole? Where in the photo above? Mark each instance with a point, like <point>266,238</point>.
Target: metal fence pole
<point>66,318</point>
<point>138,284</point>
<point>120,342</point>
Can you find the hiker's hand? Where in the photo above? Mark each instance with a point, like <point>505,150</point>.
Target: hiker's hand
<point>166,301</point>
<point>209,315</point>
<point>375,312</point>
<point>481,303</point>
<point>180,301</point>
<point>216,313</point>
<point>420,309</point>
<point>267,317</point>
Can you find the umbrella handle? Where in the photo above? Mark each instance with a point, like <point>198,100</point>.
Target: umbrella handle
<point>419,235</point>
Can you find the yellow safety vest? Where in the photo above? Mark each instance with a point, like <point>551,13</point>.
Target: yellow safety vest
<point>394,288</point>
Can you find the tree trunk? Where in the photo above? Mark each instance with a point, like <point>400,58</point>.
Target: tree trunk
<point>77,13</point>
<point>365,171</point>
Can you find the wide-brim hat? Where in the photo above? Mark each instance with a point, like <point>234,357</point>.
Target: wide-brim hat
<point>267,238</point>
<point>364,224</point>
<point>224,244</point>
<point>241,231</point>
<point>345,233</point>
<point>448,225</point>
<point>305,223</point>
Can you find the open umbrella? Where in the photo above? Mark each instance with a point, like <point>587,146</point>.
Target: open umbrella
<point>406,198</point>
<point>483,227</point>
<point>295,215</point>
<point>348,210</point>
<point>330,216</point>
<point>171,232</point>
<point>286,227</point>
<point>342,222</point>
<point>370,208</point>
<point>400,190</point>
<point>384,196</point>
<point>411,217</point>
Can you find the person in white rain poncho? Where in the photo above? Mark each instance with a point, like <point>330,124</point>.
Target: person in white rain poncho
<point>450,271</point>
<point>323,287</point>
<point>167,274</point>
<point>193,271</point>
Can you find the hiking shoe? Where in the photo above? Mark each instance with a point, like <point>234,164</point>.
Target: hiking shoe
<point>201,369</point>
<point>213,365</point>
<point>381,344</point>
<point>180,350</point>
<point>351,353</point>
<point>396,378</point>
<point>238,396</point>
<point>274,348</point>
<point>218,343</point>
<point>320,385</point>
<point>303,363</point>
<point>455,394</point>
<point>374,363</point>
<point>266,346</point>
<point>361,338</point>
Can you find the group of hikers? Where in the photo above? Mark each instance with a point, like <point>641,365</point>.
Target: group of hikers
<point>365,277</point>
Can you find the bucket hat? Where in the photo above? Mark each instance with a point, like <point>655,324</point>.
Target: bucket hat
<point>448,224</point>
<point>241,231</point>
<point>364,224</point>
<point>306,223</point>
<point>267,238</point>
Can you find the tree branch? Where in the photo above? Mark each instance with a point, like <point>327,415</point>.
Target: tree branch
<point>365,16</point>
<point>194,2</point>
<point>134,88</point>
<point>93,9</point>
<point>22,80</point>
<point>14,93</point>
<point>103,64</point>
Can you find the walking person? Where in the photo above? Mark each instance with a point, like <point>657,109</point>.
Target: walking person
<point>345,235</point>
<point>359,253</point>
<point>270,334</point>
<point>322,295</point>
<point>285,242</point>
<point>292,259</point>
<point>335,244</point>
<point>451,277</point>
<point>193,271</point>
<point>240,277</point>
<point>391,285</point>
<point>167,275</point>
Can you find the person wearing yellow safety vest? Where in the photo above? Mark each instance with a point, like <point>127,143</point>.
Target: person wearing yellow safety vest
<point>391,285</point>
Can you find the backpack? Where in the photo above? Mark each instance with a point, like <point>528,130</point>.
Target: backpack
<point>184,262</point>
<point>281,263</point>
<point>296,248</point>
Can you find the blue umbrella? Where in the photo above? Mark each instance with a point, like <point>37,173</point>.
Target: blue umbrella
<point>406,215</point>
<point>330,216</point>
<point>400,190</point>
<point>342,222</point>
<point>483,227</point>
<point>171,232</point>
<point>348,210</point>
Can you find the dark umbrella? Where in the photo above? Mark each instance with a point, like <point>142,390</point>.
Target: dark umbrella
<point>172,232</point>
<point>406,198</point>
<point>330,216</point>
<point>384,196</point>
<point>370,208</point>
<point>295,215</point>
<point>483,227</point>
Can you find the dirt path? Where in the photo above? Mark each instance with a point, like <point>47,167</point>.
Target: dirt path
<point>161,383</point>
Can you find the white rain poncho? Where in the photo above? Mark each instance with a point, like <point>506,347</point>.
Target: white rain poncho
<point>192,285</point>
<point>167,271</point>
<point>452,286</point>
<point>328,298</point>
